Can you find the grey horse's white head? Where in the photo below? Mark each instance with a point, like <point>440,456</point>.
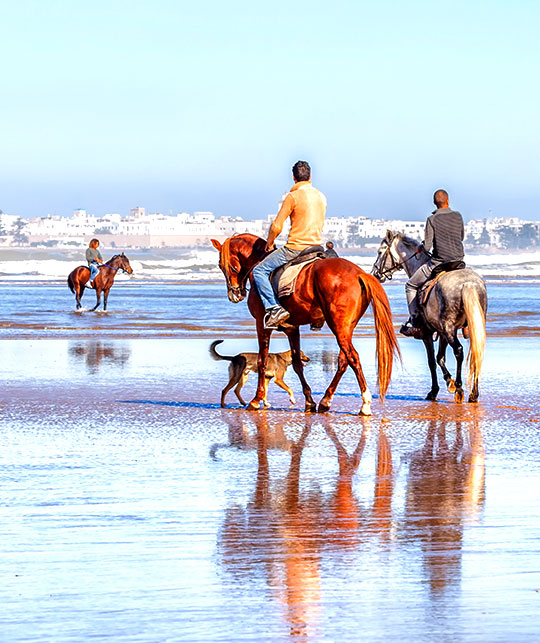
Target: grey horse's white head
<point>387,256</point>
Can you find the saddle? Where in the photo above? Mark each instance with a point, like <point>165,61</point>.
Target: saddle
<point>283,279</point>
<point>436,274</point>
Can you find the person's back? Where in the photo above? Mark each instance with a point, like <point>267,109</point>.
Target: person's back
<point>94,258</point>
<point>444,232</point>
<point>443,237</point>
<point>307,216</point>
<point>306,208</point>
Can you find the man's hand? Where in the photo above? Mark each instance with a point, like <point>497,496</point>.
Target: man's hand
<point>270,247</point>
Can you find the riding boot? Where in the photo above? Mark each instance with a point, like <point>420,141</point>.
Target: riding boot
<point>413,327</point>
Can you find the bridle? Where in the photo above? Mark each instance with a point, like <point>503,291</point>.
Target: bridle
<point>387,273</point>
<point>239,291</point>
<point>115,268</point>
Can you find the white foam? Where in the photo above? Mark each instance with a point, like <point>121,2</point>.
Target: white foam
<point>201,265</point>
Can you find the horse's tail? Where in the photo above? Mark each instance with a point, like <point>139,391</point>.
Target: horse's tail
<point>476,322</point>
<point>70,283</point>
<point>215,355</point>
<point>385,336</point>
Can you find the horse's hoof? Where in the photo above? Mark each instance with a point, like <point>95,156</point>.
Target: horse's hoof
<point>459,395</point>
<point>432,396</point>
<point>310,407</point>
<point>323,408</point>
<point>451,386</point>
<point>473,399</point>
<point>253,407</point>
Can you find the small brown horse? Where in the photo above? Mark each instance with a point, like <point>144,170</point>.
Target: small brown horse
<point>78,279</point>
<point>331,290</point>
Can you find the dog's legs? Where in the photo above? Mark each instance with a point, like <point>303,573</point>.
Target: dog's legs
<point>279,381</point>
<point>235,375</point>
<point>241,381</point>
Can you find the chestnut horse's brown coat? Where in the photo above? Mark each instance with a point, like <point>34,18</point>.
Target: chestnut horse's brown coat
<point>79,278</point>
<point>332,290</point>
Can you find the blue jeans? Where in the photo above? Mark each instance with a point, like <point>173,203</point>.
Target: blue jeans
<point>94,270</point>
<point>261,274</point>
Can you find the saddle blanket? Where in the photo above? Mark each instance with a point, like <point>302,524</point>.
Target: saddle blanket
<point>287,280</point>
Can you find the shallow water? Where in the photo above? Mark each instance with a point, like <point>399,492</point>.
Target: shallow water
<point>134,508</point>
<point>138,309</point>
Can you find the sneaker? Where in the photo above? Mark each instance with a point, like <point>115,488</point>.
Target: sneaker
<point>274,316</point>
<point>89,284</point>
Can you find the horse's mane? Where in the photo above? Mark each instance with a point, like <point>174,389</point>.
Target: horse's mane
<point>226,245</point>
<point>411,243</point>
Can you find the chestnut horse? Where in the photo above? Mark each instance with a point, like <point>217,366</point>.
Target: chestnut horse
<point>331,290</point>
<point>78,279</point>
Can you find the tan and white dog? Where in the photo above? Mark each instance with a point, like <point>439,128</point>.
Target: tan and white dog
<point>243,364</point>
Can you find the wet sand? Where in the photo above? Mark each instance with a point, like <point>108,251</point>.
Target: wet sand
<point>134,508</point>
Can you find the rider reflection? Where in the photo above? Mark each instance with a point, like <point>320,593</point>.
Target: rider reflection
<point>92,353</point>
<point>445,489</point>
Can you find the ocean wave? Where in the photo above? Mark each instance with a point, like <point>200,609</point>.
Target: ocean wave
<point>201,265</point>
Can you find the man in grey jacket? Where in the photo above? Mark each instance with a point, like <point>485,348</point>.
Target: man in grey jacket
<point>443,237</point>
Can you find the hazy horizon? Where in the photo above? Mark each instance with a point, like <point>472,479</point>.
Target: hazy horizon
<point>110,105</point>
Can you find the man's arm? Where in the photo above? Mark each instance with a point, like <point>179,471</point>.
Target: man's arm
<point>428,236</point>
<point>277,225</point>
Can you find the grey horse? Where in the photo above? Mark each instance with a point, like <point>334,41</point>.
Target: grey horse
<point>458,300</point>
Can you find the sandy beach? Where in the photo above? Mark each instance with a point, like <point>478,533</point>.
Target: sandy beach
<point>135,508</point>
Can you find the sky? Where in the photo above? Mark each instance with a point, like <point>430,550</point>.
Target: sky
<point>182,106</point>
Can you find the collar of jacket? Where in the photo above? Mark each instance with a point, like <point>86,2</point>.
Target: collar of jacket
<point>300,184</point>
<point>442,211</point>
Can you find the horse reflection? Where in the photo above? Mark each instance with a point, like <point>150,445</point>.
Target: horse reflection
<point>445,489</point>
<point>279,536</point>
<point>94,352</point>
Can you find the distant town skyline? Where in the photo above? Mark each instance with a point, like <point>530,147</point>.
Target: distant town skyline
<point>177,106</point>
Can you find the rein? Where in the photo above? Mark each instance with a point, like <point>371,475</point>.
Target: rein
<point>387,273</point>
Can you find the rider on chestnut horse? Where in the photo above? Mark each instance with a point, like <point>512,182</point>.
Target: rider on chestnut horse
<point>306,207</point>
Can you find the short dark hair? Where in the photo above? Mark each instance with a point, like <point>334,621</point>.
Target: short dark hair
<point>301,171</point>
<point>440,198</point>
<point>93,241</point>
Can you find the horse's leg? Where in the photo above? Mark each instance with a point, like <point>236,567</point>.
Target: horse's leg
<point>98,297</point>
<point>473,397</point>
<point>105,297</point>
<point>298,365</point>
<point>324,404</point>
<point>458,353</point>
<point>79,289</point>
<point>441,361</point>
<point>344,340</point>
<point>263,336</point>
<point>430,350</point>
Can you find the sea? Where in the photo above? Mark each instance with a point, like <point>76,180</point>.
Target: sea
<point>134,508</point>
<point>181,293</point>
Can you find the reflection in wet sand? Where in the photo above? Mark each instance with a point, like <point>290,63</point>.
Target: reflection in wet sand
<point>93,352</point>
<point>285,530</point>
<point>445,489</point>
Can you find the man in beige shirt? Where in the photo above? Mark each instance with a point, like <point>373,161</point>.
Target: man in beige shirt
<point>306,207</point>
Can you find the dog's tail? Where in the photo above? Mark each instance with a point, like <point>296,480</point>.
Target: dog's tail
<point>215,355</point>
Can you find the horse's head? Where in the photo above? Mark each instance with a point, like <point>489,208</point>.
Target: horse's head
<point>398,252</point>
<point>237,256</point>
<point>388,257</point>
<point>121,262</point>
